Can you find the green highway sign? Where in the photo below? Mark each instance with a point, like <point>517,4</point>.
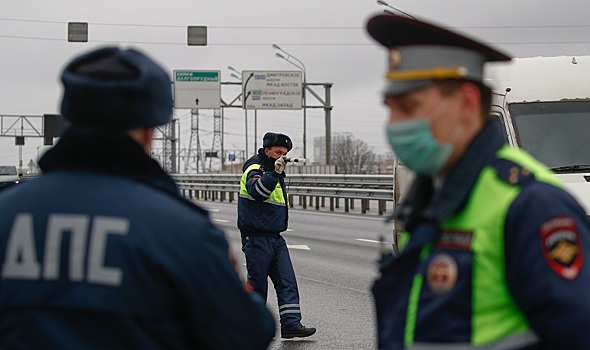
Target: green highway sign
<point>196,76</point>
<point>197,89</point>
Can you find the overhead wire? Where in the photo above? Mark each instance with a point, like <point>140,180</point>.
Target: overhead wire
<point>290,28</point>
<point>302,27</point>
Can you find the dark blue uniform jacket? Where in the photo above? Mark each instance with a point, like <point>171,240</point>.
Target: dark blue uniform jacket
<point>257,216</point>
<point>101,252</point>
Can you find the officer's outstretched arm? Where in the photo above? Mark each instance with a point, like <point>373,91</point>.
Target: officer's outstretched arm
<point>547,240</point>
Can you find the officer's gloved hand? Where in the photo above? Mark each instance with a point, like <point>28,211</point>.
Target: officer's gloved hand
<point>280,165</point>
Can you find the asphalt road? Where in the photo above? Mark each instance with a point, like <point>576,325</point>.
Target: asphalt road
<point>334,259</point>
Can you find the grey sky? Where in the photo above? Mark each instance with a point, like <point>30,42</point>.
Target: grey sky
<point>327,35</point>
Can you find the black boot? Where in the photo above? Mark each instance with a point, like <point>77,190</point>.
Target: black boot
<point>297,332</point>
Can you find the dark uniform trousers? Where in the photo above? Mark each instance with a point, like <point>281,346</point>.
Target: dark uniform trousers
<point>268,256</point>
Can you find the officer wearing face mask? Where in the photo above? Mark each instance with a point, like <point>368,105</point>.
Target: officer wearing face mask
<point>493,253</point>
<point>262,216</point>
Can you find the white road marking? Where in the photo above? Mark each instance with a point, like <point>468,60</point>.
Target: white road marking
<point>290,230</point>
<point>367,240</point>
<point>298,246</point>
<point>212,209</point>
<point>220,220</point>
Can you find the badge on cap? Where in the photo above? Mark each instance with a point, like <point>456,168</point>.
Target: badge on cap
<point>395,59</point>
<point>561,246</point>
<point>442,273</point>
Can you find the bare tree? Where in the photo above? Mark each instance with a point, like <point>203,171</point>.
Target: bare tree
<point>352,156</point>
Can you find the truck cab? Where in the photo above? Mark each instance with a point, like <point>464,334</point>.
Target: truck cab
<point>543,105</point>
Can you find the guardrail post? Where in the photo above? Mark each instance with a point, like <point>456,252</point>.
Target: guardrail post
<point>351,203</point>
<point>291,201</point>
<point>382,207</point>
<point>317,203</point>
<point>364,205</point>
<point>331,204</point>
<point>304,201</point>
<point>346,209</point>
<point>323,202</point>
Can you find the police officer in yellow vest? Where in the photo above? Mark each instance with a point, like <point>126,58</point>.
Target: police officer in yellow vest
<point>262,216</point>
<point>493,254</point>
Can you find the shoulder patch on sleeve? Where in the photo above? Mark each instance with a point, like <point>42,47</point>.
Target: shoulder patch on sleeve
<point>561,246</point>
<point>511,172</point>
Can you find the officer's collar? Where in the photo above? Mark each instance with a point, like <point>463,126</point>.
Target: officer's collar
<point>104,151</point>
<point>463,176</point>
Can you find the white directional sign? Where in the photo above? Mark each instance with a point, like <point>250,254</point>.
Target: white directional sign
<point>272,89</point>
<point>197,89</point>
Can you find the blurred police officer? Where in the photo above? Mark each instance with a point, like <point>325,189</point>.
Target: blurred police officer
<point>494,254</point>
<point>101,251</point>
<point>262,216</point>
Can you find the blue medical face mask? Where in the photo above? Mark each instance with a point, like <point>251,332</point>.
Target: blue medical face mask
<point>413,142</point>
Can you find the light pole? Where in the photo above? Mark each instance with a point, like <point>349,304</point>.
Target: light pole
<point>302,68</point>
<point>246,108</point>
<point>238,76</point>
<point>234,70</point>
<point>384,3</point>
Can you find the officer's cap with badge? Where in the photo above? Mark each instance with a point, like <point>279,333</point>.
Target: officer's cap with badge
<point>421,53</point>
<point>277,139</point>
<point>117,89</point>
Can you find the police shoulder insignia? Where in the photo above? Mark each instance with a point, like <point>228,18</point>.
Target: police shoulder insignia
<point>442,273</point>
<point>561,246</point>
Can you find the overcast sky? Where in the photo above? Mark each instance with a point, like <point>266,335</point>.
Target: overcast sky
<point>328,36</point>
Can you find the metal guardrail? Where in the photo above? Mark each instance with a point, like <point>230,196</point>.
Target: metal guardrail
<point>312,189</point>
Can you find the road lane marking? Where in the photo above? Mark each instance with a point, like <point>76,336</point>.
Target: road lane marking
<point>298,246</point>
<point>220,220</point>
<point>368,240</point>
<point>334,285</point>
<point>212,209</point>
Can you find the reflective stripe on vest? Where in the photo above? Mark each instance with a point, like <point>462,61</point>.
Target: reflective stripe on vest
<point>276,197</point>
<point>495,315</point>
<point>515,341</point>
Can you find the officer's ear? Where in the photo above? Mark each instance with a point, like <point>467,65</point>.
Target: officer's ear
<point>144,137</point>
<point>470,101</point>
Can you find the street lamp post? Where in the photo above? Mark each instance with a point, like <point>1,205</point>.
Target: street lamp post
<point>384,3</point>
<point>302,68</point>
<point>238,76</point>
<point>246,108</point>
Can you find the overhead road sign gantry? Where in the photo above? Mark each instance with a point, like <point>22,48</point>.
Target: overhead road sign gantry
<point>272,89</point>
<point>197,89</point>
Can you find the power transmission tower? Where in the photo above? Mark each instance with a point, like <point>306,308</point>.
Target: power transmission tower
<point>194,157</point>
<point>216,150</point>
<point>169,146</point>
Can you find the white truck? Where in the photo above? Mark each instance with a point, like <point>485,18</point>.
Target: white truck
<point>543,105</point>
